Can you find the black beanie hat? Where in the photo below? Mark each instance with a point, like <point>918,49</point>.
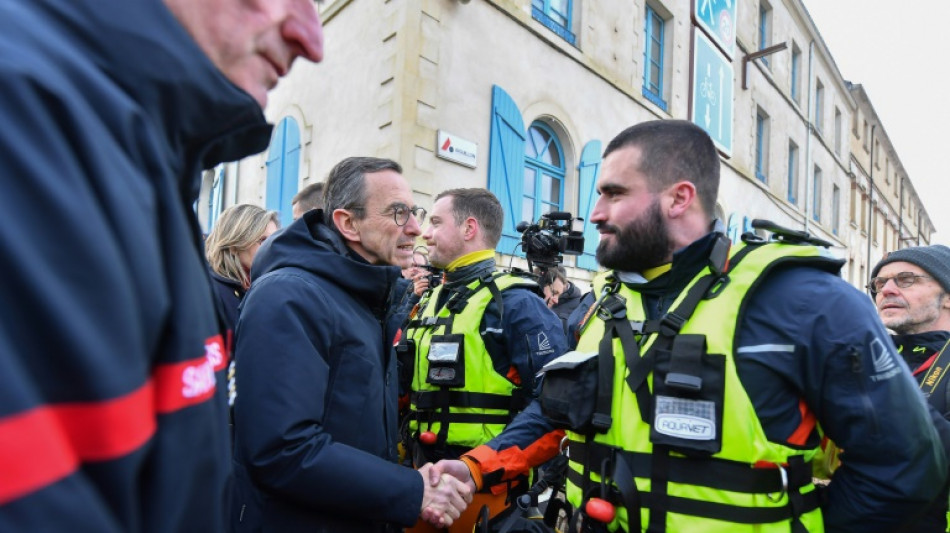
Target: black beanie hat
<point>934,259</point>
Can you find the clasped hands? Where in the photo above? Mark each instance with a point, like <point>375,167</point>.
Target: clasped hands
<point>448,489</point>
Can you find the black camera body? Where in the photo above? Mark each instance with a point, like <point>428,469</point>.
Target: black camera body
<point>434,275</point>
<point>552,235</point>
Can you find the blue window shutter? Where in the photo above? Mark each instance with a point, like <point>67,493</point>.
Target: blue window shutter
<point>506,164</point>
<point>283,167</point>
<point>291,170</point>
<point>738,225</point>
<point>217,193</point>
<point>588,170</point>
<point>734,231</point>
<point>275,169</point>
<point>746,226</point>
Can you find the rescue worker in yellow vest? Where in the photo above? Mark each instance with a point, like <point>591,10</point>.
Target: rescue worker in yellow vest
<point>476,342</point>
<point>706,374</point>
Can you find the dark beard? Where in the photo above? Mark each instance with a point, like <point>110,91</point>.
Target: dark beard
<point>639,246</point>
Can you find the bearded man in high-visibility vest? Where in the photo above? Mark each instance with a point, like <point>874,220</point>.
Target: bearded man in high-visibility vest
<point>708,372</point>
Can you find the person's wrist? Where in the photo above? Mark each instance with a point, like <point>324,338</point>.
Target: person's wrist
<point>474,471</point>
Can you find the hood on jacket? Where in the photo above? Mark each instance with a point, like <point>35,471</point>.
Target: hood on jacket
<point>310,245</point>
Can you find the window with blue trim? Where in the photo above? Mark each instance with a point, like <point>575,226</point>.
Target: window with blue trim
<point>792,172</point>
<point>835,208</point>
<point>816,196</point>
<point>765,28</point>
<point>838,134</point>
<point>654,31</point>
<point>761,146</point>
<point>556,16</point>
<point>873,224</point>
<point>543,188</point>
<point>796,73</point>
<point>283,169</point>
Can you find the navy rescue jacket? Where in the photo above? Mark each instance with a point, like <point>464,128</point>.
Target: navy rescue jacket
<point>316,413</point>
<point>806,334</point>
<point>229,294</point>
<point>112,413</point>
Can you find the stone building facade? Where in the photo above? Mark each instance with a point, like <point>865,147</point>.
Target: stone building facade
<point>521,96</point>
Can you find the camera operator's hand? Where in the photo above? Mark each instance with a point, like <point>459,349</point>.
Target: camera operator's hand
<point>420,282</point>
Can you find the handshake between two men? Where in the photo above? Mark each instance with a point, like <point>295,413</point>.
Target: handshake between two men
<point>448,491</point>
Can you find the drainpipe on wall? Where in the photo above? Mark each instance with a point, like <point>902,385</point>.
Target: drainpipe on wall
<point>871,197</point>
<point>808,126</point>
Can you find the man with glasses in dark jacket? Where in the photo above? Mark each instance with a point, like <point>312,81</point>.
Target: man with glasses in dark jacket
<point>316,420</point>
<point>910,289</point>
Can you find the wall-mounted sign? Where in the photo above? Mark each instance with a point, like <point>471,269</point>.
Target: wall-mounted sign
<point>718,19</point>
<point>712,92</point>
<point>456,149</point>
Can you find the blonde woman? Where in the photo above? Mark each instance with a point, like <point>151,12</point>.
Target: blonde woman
<point>230,249</point>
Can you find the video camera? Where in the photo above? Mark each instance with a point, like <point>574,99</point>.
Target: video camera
<point>434,274</point>
<point>553,234</point>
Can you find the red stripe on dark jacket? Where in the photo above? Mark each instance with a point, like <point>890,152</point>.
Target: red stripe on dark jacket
<point>179,385</point>
<point>45,444</point>
<point>42,445</point>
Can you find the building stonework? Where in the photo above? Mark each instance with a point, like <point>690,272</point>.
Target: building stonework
<point>398,71</point>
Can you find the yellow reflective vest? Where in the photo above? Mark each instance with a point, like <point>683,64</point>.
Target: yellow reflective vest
<point>470,414</point>
<point>744,483</point>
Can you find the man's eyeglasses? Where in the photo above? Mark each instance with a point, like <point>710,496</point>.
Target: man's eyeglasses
<point>402,212</point>
<point>901,279</point>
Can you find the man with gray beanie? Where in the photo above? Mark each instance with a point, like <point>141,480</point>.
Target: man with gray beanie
<point>910,289</point>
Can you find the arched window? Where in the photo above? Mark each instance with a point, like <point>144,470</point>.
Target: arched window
<point>283,168</point>
<point>543,189</point>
